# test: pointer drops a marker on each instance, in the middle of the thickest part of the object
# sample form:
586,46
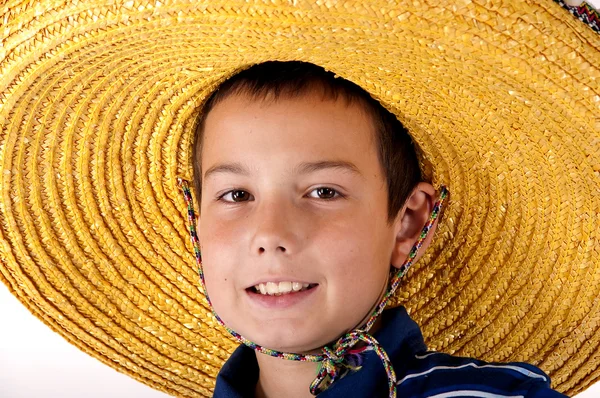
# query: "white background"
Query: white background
36,362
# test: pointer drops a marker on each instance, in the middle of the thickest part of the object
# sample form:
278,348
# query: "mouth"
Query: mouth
282,295
280,288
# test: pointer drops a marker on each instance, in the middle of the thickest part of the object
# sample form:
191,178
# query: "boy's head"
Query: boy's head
302,177
273,80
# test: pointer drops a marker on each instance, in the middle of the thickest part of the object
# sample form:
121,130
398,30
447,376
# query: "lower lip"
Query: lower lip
283,301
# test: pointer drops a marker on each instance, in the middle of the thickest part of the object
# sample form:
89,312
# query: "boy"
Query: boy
309,191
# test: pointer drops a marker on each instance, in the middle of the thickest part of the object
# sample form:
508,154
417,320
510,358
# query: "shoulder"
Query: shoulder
435,374
239,375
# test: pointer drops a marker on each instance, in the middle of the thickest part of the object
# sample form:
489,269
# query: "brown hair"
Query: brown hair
293,78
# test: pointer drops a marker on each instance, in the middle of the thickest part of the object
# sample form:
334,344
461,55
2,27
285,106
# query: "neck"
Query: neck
284,378
280,377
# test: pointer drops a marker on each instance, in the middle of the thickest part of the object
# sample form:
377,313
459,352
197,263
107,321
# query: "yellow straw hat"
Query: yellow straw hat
98,103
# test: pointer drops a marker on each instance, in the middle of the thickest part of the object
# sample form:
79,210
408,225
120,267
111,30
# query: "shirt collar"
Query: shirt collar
399,336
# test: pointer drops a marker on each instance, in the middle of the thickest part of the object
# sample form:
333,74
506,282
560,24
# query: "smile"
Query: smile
277,289
280,296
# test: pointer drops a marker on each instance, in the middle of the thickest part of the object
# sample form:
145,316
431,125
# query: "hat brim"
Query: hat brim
97,108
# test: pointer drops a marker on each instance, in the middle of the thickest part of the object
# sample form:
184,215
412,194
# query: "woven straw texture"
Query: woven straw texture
98,102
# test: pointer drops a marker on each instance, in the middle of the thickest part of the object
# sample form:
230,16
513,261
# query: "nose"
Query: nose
274,232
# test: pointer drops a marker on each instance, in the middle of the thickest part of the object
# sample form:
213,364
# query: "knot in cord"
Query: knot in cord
332,356
341,358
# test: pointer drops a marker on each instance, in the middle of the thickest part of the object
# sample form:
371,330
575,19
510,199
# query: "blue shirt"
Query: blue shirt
419,373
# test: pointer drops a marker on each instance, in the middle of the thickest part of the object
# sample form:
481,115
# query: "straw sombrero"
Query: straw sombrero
98,102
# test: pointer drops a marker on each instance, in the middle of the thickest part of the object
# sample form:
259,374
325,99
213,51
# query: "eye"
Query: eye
325,193
239,195
235,195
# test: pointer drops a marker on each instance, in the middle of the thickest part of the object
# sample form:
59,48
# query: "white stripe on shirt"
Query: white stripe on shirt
426,355
473,393
524,371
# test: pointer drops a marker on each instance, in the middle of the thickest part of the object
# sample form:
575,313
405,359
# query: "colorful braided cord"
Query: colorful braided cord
585,13
335,361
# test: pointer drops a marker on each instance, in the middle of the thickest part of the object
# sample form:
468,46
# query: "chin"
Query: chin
295,348
287,339
294,340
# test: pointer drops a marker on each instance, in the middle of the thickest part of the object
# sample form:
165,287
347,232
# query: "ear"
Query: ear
410,222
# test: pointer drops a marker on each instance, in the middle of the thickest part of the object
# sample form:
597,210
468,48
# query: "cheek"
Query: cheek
220,282
218,263
355,269
357,251
215,277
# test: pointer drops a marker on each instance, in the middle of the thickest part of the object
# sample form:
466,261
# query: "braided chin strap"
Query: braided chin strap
335,361
336,364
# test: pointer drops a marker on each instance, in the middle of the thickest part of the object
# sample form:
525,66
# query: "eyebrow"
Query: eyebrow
302,168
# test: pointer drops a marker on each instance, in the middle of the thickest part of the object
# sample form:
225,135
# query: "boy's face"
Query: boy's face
279,226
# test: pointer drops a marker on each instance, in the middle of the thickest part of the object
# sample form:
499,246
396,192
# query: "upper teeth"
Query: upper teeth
275,289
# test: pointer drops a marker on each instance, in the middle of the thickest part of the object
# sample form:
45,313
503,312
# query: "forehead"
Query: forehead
308,124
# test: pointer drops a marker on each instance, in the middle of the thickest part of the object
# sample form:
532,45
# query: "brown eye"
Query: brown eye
325,193
239,196
235,196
